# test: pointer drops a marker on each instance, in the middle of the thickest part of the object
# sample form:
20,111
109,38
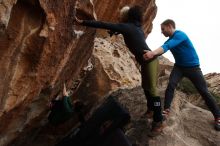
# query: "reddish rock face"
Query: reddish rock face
109,10
41,47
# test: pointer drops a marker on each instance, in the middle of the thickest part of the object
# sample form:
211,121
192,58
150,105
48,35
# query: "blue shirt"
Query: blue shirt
182,49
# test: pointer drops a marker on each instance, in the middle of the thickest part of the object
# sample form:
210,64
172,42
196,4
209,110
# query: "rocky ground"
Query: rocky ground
187,125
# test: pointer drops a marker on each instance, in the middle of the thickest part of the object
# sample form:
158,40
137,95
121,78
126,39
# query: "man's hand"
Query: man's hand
148,55
65,93
75,10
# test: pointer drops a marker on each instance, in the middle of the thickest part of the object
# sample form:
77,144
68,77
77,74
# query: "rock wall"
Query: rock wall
5,11
42,47
213,81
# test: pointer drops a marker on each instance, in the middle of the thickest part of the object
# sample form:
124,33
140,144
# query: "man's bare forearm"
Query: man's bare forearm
159,51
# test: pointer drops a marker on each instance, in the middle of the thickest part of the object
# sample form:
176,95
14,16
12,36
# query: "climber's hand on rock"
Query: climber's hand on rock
78,20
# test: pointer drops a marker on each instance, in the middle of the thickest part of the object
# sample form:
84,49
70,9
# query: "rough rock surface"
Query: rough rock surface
213,81
187,125
5,11
39,51
42,47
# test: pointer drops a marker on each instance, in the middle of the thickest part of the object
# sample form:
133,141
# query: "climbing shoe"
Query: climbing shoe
166,113
148,114
157,128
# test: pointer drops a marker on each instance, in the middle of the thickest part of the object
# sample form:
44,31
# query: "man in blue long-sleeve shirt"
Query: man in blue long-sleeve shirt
186,65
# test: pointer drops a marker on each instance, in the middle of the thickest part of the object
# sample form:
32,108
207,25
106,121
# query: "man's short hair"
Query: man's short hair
169,22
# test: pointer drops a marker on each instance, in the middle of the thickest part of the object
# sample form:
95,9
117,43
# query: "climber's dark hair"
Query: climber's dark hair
135,14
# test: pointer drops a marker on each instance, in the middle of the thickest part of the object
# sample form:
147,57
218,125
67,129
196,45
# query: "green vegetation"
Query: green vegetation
217,97
186,86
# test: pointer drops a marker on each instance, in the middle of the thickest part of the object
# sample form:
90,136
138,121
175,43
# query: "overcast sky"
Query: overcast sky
200,20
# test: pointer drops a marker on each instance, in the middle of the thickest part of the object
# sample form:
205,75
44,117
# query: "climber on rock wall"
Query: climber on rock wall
134,37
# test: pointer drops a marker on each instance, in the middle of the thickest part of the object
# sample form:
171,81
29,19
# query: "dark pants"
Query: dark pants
197,78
